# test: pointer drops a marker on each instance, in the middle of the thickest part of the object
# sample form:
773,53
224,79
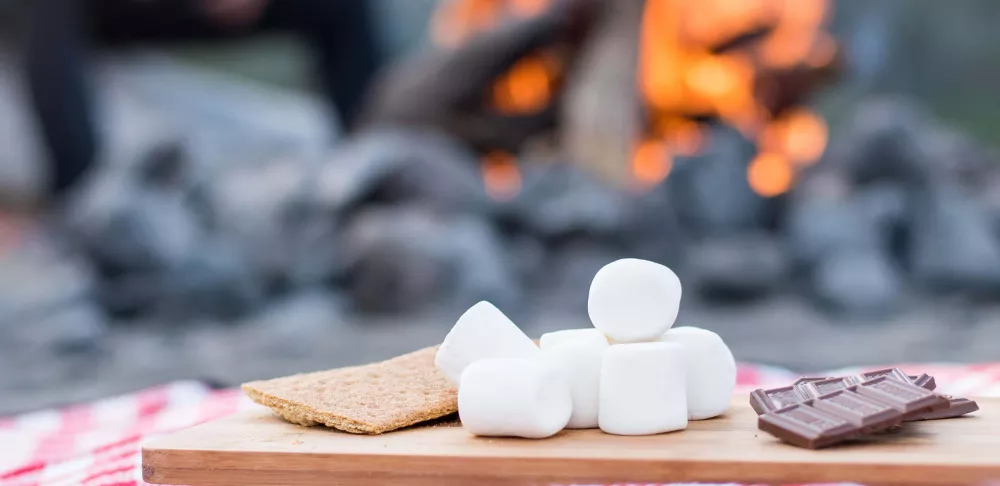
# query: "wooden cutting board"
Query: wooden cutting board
256,448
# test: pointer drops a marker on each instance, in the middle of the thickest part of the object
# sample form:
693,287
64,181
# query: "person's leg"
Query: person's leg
128,22
343,36
55,58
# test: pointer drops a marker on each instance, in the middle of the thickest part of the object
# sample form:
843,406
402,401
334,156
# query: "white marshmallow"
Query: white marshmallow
711,371
579,360
642,389
555,338
482,332
513,397
634,300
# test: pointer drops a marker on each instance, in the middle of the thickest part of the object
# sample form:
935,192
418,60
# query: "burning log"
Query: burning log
445,88
622,104
600,131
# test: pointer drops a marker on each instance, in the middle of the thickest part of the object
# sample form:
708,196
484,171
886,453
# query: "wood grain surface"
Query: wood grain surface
256,448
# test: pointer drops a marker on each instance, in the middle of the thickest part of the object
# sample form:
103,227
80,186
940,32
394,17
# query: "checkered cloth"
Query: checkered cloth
98,444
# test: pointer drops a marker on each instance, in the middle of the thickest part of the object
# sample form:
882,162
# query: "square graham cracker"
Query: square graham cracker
369,399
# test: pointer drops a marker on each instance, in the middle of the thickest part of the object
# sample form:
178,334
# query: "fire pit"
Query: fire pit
532,143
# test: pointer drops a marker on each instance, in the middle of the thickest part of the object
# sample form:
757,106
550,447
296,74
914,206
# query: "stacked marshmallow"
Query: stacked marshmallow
629,375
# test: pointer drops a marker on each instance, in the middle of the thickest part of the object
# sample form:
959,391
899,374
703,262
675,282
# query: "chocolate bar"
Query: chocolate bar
833,410
803,389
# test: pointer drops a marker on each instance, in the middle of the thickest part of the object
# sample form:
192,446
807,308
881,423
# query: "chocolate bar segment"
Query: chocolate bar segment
865,414
957,407
764,401
925,381
802,425
909,399
818,388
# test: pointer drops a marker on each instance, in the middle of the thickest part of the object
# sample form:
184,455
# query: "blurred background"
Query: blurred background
238,189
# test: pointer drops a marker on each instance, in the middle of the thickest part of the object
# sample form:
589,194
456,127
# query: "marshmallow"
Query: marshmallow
482,332
555,338
711,371
579,360
642,389
634,300
513,397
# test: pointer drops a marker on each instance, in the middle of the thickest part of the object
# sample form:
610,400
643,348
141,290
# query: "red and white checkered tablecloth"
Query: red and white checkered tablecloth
97,444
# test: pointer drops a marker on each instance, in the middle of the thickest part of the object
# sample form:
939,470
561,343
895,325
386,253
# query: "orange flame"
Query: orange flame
651,162
501,175
800,135
682,75
770,174
527,87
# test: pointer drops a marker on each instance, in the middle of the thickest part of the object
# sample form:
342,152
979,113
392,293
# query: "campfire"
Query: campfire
534,142
697,61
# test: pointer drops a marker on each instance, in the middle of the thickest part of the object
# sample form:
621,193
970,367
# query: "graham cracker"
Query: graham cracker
369,399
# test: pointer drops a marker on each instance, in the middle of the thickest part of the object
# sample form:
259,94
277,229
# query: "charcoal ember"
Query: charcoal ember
401,166
738,267
137,218
711,192
401,259
266,210
861,282
78,328
558,201
824,217
953,245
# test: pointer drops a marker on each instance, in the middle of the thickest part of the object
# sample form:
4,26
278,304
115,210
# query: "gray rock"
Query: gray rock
885,205
137,218
402,259
738,267
989,196
37,282
893,140
825,218
953,246
265,210
402,166
564,284
72,330
291,324
884,144
957,156
652,230
557,201
711,192
857,282
215,281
